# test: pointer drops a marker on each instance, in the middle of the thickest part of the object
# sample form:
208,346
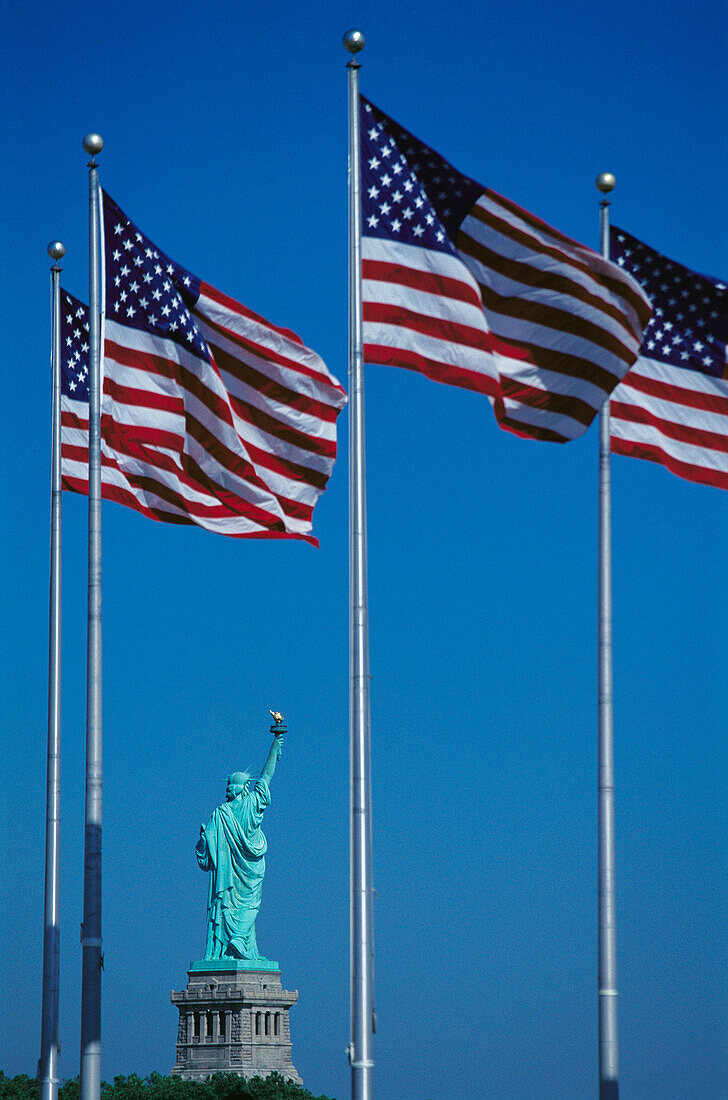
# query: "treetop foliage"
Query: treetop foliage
220,1086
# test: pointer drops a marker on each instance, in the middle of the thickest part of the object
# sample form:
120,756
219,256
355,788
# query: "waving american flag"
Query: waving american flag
210,414
673,405
468,288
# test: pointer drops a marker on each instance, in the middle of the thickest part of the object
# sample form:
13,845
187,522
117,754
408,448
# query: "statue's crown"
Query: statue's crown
239,779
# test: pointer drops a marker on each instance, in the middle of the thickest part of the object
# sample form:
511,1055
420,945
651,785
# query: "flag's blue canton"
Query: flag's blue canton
689,326
409,192
145,289
74,348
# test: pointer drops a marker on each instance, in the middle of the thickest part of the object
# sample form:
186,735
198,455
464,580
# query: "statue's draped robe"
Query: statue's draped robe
232,848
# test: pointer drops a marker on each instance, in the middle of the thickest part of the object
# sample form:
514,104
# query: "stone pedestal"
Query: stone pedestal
234,1018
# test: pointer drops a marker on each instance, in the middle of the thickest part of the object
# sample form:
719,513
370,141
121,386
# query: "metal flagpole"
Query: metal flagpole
361,943
608,1045
48,1064
91,927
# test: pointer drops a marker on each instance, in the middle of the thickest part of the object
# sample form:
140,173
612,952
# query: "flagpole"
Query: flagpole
608,1044
361,941
48,1064
91,927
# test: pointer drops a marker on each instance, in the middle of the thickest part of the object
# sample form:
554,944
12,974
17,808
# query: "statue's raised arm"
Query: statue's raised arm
276,750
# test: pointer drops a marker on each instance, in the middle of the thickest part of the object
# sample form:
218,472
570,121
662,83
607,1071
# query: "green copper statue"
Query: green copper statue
232,848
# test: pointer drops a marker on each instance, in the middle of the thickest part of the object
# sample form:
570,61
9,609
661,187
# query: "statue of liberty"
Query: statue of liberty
232,848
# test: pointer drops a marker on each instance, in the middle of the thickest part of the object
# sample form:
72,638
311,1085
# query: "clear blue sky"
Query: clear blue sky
225,130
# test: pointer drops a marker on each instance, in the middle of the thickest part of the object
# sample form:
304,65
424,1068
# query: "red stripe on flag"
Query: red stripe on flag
693,435
558,281
119,495
680,395
428,282
529,431
572,254
557,362
236,307
72,420
262,351
535,398
219,407
268,424
440,328
431,368
285,468
144,399
271,389
186,471
184,376
543,313
703,475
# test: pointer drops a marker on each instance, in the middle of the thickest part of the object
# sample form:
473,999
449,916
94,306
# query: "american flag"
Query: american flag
673,405
468,288
210,415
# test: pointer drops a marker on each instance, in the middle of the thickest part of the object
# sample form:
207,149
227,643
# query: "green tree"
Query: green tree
221,1086
18,1088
